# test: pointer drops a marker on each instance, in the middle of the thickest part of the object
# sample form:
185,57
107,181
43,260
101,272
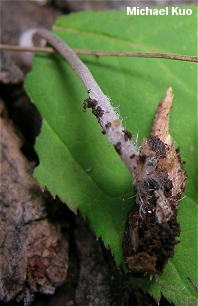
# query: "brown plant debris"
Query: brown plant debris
152,226
33,252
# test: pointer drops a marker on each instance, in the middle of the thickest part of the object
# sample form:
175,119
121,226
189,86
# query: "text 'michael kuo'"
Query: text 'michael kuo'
177,11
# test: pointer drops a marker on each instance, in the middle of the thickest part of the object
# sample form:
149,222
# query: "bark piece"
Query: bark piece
33,252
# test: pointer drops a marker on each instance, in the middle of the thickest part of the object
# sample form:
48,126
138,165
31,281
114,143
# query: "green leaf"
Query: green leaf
71,141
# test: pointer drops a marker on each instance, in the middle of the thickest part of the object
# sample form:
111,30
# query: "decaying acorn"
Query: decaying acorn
152,226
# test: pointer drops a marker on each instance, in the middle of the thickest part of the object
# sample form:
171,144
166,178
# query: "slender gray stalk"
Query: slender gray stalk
107,117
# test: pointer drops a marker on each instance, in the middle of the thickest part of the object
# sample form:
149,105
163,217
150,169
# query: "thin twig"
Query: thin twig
26,48
178,57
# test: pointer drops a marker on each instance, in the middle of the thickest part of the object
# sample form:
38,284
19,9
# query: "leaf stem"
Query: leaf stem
187,58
